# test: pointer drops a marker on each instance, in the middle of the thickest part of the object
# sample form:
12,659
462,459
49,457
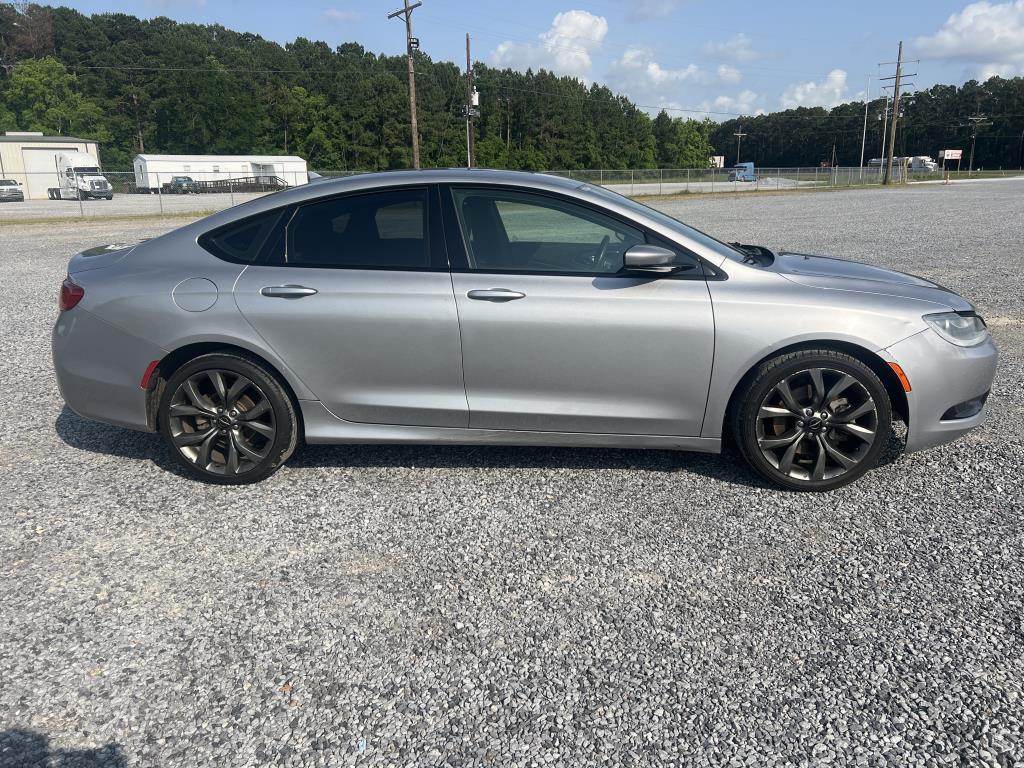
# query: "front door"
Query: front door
556,337
359,304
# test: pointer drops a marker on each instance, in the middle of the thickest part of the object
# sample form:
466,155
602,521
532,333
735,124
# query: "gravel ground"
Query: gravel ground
521,607
122,205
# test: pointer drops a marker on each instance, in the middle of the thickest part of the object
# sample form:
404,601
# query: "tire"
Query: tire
203,419
813,420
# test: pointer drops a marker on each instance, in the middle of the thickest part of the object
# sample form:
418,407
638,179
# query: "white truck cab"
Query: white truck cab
80,178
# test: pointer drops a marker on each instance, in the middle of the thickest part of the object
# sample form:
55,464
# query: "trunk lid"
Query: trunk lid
99,256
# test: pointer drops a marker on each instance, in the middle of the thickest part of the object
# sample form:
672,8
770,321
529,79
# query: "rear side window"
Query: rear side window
243,241
380,230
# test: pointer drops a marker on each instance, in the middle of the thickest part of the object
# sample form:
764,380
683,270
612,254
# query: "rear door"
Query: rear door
357,300
556,336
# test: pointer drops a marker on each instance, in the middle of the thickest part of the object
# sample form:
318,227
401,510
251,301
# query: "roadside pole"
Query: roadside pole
895,111
160,194
864,134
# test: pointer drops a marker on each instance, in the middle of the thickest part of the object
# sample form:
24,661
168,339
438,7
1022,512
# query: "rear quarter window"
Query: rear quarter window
245,241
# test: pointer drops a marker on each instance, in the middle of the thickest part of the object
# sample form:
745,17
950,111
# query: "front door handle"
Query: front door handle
495,294
287,291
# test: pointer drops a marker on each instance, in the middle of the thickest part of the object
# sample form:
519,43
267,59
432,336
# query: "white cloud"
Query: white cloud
990,35
727,73
744,103
739,47
342,16
565,48
825,93
641,61
638,74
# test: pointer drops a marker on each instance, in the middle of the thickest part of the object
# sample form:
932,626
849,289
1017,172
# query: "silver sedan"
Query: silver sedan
491,307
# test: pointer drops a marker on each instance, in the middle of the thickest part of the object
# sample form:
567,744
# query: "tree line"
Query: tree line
160,86
931,120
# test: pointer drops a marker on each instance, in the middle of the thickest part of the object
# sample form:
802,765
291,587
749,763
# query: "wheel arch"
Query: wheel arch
893,387
173,360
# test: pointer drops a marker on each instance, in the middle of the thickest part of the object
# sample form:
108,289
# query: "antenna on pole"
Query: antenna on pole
411,44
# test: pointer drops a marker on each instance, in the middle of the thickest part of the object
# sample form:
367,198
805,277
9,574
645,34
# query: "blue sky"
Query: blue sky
716,57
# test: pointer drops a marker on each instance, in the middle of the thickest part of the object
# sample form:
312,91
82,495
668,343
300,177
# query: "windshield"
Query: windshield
684,229
8,183
87,169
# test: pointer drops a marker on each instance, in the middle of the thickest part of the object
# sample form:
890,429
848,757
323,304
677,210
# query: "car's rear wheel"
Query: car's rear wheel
227,419
813,420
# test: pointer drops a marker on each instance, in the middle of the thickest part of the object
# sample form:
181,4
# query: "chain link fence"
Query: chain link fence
50,195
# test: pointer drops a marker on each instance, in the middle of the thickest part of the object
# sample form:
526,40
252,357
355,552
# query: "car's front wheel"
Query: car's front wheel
227,419
813,420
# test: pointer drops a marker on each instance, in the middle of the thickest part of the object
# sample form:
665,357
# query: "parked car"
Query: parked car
181,185
742,172
495,307
11,191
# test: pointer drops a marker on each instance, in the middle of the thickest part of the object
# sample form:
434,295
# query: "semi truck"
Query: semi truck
919,163
80,178
742,172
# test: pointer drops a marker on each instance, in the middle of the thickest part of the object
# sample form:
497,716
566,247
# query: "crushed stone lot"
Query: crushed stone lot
414,606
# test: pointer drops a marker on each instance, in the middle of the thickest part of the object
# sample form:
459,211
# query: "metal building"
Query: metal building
30,158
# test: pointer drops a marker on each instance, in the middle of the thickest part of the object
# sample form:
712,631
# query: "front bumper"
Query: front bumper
942,375
99,368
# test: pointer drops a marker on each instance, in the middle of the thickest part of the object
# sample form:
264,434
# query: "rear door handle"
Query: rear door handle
287,291
495,294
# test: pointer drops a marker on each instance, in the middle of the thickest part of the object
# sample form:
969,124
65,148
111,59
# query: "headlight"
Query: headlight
964,330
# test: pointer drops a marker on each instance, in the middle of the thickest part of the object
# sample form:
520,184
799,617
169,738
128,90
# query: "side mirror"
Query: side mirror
651,258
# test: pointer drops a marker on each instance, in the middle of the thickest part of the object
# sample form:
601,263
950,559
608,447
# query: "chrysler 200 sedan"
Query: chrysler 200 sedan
491,307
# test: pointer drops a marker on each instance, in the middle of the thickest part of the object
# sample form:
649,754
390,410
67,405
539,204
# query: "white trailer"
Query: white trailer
80,178
154,172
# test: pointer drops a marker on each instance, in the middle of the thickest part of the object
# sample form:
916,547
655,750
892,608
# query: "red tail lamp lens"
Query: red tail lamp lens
70,295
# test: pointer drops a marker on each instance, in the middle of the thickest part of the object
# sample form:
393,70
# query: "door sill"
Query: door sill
322,427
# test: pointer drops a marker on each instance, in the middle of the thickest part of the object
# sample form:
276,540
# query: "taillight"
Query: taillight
70,295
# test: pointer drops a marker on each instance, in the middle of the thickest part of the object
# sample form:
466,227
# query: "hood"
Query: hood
100,256
839,274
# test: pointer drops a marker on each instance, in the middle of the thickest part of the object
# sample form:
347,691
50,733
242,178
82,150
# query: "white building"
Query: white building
152,171
30,158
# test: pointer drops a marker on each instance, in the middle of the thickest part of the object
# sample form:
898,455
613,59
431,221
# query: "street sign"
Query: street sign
951,154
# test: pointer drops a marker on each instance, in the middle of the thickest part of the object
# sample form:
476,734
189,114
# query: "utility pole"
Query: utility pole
898,81
864,135
411,44
978,121
739,138
470,111
508,126
884,117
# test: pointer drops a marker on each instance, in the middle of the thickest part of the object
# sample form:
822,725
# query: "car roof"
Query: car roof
446,176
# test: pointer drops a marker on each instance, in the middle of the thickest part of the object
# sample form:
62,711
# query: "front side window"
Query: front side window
380,230
509,231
